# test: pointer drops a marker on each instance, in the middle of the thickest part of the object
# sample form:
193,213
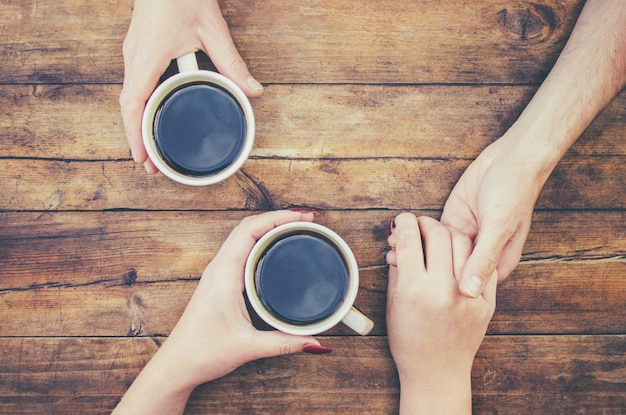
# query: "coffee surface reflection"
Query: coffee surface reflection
199,129
302,279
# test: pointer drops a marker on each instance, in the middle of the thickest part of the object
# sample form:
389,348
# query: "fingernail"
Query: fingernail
254,84
311,348
302,210
392,226
473,286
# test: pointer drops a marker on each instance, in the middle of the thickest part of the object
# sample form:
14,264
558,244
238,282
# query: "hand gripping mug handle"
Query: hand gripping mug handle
187,62
358,322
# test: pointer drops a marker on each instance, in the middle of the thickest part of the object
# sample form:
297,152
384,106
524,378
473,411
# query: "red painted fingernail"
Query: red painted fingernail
392,226
302,210
316,349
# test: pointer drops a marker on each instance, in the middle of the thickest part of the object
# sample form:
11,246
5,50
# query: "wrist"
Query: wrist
147,397
172,367
449,395
160,388
532,150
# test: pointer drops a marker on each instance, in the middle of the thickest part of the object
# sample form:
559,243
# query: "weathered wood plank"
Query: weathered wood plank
512,374
82,122
120,248
550,375
133,272
46,185
65,41
138,269
370,108
61,122
554,297
585,296
70,41
356,41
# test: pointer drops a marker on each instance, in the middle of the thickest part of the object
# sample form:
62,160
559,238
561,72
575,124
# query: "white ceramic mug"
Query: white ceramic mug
189,74
345,313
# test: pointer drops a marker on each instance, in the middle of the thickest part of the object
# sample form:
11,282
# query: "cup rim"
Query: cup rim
306,329
168,86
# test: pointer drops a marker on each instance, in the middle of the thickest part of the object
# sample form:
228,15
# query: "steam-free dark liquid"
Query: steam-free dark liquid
199,129
302,279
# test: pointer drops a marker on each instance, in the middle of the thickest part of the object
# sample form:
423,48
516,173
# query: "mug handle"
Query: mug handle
187,62
358,322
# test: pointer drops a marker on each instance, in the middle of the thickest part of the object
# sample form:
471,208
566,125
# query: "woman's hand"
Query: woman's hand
492,204
215,334
434,331
162,30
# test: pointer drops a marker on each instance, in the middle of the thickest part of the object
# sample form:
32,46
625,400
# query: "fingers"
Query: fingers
437,246
408,243
461,250
409,251
276,343
392,283
239,243
147,58
482,263
489,292
219,46
391,254
391,257
511,254
140,80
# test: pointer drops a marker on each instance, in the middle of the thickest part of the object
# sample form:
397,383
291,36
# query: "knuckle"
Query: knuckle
245,221
409,293
487,263
285,348
244,226
440,232
124,99
237,65
406,238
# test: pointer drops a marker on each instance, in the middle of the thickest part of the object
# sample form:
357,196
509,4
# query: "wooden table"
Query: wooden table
371,108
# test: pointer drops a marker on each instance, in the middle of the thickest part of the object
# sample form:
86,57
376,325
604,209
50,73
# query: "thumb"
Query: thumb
230,64
483,262
227,60
276,343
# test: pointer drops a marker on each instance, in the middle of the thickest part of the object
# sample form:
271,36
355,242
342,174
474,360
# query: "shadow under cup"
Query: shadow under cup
199,129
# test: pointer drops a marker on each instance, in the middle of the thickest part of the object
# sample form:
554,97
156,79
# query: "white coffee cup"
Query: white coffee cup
345,313
189,75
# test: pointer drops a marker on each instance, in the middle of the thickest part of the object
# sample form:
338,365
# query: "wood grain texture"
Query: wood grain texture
277,183
88,375
370,108
559,298
82,122
139,269
351,41
38,248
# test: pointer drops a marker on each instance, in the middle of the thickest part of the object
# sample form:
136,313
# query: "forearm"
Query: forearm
588,74
159,389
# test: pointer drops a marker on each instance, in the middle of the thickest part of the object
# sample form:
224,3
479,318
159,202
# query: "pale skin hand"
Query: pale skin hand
434,331
214,335
162,30
493,201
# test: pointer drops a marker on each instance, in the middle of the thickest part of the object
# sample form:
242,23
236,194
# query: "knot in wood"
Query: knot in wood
129,277
536,22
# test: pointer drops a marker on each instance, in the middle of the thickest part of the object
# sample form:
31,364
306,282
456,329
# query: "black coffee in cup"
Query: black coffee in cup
301,278
199,129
